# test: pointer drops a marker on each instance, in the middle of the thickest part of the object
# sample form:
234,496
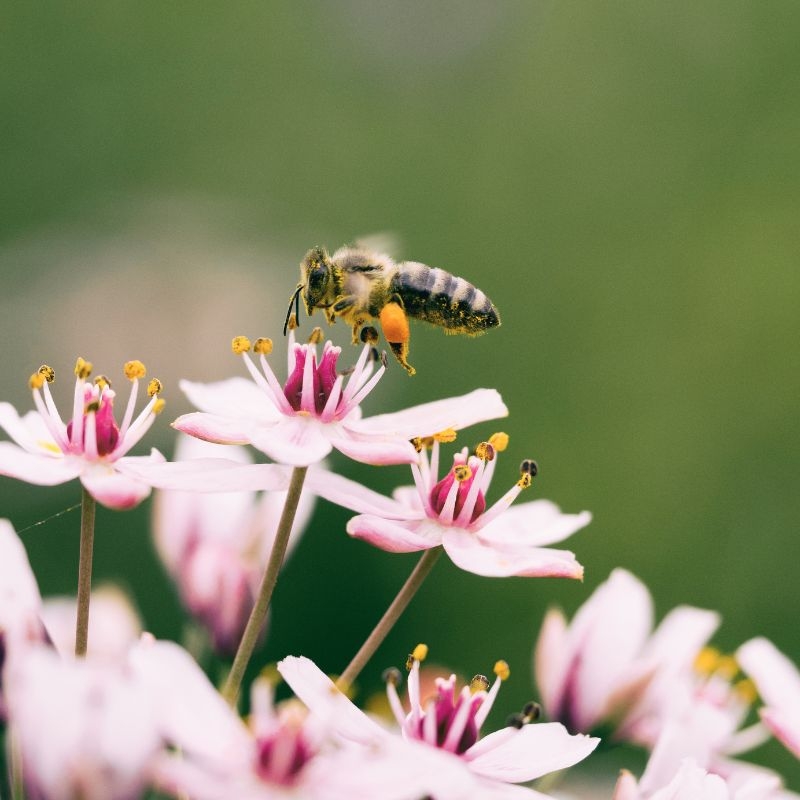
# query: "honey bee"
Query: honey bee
359,284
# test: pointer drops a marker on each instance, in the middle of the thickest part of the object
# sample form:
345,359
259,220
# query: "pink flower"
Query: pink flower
279,753
439,743
90,446
495,541
609,666
317,409
778,682
216,546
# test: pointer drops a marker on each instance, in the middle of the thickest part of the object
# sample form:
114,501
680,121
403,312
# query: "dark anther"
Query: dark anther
532,711
515,721
529,467
369,335
392,675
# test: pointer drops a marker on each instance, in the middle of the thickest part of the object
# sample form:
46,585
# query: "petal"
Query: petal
392,535
353,495
467,551
20,600
323,699
605,637
627,787
42,470
775,676
29,432
516,755
549,659
238,398
193,716
429,418
539,523
113,489
298,441
207,475
215,428
377,451
785,728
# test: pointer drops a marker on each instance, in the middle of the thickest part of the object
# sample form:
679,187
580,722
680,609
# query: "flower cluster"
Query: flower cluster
93,708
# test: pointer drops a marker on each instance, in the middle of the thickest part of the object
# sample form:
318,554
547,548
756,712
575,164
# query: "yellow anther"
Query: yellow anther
154,387
92,407
134,369
36,381
158,406
706,660
83,369
262,346
48,373
102,382
446,436
502,670
525,480
499,441
485,451
746,691
291,324
479,683
420,652
270,674
316,336
240,344
727,667
461,472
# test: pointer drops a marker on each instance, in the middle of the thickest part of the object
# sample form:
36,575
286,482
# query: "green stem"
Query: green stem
88,506
393,613
255,623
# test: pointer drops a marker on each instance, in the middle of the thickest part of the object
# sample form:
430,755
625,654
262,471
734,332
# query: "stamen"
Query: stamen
461,472
485,451
531,711
307,400
36,381
158,406
291,323
429,723
83,369
134,370
316,336
154,387
332,403
90,433
240,344
706,660
529,467
262,346
499,441
502,671
465,515
479,683
102,382
369,335
420,652
446,436
459,721
746,691
392,676
48,373
727,667
515,720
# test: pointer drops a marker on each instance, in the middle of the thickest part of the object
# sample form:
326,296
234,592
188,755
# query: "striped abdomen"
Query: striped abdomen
442,299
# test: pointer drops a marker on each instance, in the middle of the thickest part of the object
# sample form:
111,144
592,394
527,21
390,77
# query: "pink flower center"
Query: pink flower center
102,403
282,754
322,375
464,476
454,715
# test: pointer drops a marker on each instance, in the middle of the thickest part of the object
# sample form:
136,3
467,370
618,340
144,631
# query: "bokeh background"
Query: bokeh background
620,178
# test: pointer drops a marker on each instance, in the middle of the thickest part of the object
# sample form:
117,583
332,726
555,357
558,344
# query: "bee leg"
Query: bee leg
330,316
395,328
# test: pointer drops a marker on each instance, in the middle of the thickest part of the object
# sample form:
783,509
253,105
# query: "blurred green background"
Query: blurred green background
620,178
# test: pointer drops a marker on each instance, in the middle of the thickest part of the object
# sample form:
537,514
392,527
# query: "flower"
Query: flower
91,446
279,753
496,541
84,729
778,682
216,546
608,666
317,410
439,743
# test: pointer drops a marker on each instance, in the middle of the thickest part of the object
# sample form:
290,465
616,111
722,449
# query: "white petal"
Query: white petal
113,489
539,523
549,659
377,451
394,536
215,428
297,441
466,550
29,432
238,398
522,755
353,495
20,601
429,418
41,470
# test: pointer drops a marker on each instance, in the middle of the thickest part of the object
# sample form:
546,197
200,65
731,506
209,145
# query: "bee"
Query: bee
359,284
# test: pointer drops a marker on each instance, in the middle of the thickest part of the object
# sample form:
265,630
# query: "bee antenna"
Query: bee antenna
294,299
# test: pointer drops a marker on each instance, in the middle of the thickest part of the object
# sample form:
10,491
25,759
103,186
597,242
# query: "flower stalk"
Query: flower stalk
88,506
255,622
390,617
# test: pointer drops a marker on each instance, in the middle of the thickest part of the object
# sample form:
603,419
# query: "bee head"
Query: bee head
317,277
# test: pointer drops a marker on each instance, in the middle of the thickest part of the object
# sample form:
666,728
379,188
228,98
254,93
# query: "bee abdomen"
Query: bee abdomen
440,298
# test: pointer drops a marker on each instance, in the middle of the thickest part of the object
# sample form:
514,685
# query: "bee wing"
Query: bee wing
388,242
